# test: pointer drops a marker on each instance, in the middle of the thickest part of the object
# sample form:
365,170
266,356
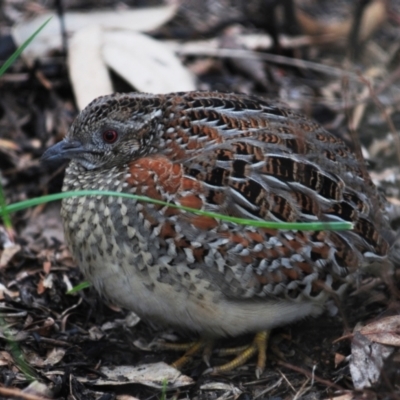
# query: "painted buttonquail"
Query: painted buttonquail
228,153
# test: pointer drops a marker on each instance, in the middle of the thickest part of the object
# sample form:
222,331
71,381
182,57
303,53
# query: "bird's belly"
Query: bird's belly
156,294
153,290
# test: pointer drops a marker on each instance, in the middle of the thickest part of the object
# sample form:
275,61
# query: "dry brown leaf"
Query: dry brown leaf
339,358
346,396
45,282
33,358
40,289
10,293
152,375
95,333
54,356
393,200
227,387
7,254
5,358
337,29
9,145
46,267
384,331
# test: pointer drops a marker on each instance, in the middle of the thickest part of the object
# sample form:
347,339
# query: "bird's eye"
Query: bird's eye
110,136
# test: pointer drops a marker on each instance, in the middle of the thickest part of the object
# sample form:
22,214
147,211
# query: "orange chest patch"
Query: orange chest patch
155,171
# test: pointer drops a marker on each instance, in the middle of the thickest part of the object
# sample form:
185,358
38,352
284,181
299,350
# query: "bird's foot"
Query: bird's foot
205,347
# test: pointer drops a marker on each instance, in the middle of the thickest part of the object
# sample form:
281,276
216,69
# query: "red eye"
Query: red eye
110,136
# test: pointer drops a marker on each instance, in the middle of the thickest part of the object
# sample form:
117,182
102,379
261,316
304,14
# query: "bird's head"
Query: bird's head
112,130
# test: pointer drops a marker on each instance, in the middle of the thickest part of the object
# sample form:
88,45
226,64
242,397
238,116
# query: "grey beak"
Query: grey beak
62,152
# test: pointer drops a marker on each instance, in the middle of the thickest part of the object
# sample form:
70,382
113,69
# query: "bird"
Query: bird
236,155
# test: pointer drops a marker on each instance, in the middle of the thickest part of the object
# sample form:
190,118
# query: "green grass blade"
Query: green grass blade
303,226
6,215
6,65
16,352
80,286
21,48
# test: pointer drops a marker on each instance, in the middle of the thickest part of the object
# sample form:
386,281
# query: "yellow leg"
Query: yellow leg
243,353
207,351
232,351
258,346
261,341
174,346
190,352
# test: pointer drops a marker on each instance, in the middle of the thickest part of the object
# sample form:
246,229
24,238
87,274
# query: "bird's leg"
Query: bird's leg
190,348
174,346
261,341
190,352
258,346
243,353
232,351
207,351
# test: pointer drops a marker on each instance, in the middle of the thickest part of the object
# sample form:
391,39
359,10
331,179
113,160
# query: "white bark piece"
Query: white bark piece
367,361
147,64
87,70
